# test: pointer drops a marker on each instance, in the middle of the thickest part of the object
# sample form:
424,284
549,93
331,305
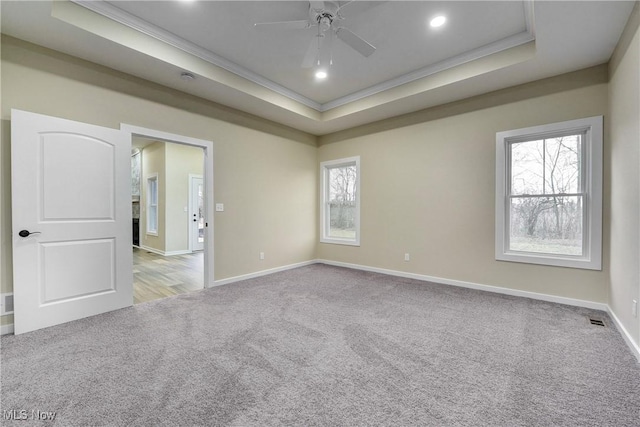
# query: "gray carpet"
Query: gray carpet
326,346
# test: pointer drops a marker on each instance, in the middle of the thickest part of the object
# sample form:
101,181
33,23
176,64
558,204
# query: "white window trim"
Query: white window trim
324,210
149,232
592,227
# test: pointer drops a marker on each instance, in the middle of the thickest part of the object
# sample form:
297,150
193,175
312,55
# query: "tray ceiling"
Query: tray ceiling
484,46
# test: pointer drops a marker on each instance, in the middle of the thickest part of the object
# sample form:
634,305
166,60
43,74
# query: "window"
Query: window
340,208
152,204
549,194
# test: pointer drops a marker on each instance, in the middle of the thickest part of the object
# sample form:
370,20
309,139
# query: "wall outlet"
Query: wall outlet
634,308
219,207
407,257
261,255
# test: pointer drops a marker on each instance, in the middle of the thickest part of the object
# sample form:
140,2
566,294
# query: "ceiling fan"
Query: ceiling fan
325,15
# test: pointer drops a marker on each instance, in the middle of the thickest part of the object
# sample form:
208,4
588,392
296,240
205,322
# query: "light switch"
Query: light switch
219,207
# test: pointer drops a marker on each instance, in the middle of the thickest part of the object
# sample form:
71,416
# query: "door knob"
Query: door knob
27,233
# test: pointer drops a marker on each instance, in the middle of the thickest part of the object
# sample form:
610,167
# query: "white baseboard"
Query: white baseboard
183,252
471,285
164,253
152,250
635,348
261,273
6,329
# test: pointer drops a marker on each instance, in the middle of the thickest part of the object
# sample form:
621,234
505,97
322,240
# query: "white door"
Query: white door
196,214
71,189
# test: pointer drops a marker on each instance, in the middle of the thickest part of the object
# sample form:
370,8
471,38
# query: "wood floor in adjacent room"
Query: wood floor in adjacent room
156,276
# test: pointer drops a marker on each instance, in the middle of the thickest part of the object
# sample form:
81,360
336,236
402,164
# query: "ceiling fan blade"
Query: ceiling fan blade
355,42
284,25
313,52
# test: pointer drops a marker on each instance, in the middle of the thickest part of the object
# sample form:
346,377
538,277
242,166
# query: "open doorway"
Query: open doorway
171,208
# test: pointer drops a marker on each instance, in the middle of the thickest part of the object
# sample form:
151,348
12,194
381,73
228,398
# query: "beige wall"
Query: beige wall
269,194
264,173
154,163
624,161
428,186
6,269
181,161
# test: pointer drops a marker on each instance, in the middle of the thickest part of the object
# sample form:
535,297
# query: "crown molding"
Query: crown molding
472,55
118,15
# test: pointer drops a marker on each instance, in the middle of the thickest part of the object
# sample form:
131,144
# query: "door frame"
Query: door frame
207,148
191,234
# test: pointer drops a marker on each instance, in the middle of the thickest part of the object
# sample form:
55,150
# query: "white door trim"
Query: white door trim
207,147
192,176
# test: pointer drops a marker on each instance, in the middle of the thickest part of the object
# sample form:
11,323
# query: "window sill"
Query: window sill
340,242
151,233
552,261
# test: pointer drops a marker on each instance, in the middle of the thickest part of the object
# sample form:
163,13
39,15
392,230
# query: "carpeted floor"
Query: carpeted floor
326,346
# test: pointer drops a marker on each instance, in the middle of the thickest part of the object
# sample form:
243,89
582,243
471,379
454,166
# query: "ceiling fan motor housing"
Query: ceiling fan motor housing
325,16
324,21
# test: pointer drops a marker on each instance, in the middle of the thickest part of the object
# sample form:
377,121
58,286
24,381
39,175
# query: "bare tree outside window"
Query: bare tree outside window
546,197
340,204
342,201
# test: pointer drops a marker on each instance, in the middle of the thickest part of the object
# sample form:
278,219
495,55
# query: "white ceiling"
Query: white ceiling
484,46
227,29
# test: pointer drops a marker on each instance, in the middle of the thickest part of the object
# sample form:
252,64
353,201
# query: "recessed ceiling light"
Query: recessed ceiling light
438,21
321,74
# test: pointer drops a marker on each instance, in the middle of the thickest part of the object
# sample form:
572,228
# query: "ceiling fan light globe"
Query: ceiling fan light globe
438,21
325,24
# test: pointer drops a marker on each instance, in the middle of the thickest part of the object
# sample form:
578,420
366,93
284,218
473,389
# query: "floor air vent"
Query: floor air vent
597,322
6,304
